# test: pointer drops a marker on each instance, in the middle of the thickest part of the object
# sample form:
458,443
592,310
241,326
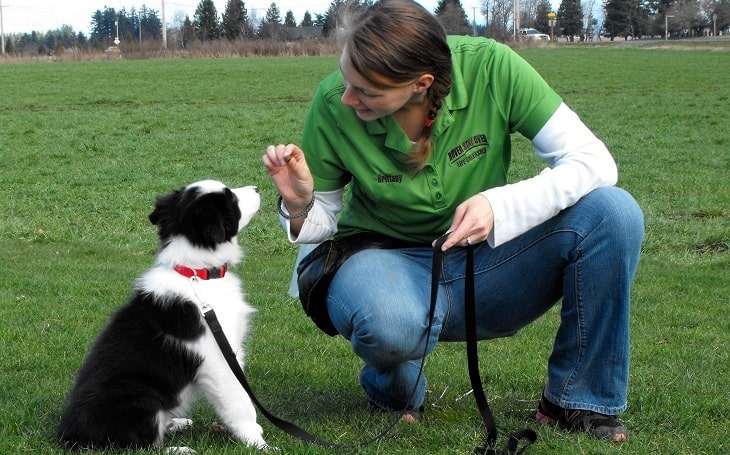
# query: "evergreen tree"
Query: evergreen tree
453,17
542,22
640,18
331,17
103,26
270,24
188,32
319,21
126,22
570,18
289,20
150,23
107,23
617,21
273,15
205,21
337,11
307,20
235,20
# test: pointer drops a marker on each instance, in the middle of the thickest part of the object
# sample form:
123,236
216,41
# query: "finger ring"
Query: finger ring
468,241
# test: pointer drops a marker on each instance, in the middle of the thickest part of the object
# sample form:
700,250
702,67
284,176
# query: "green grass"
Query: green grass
85,147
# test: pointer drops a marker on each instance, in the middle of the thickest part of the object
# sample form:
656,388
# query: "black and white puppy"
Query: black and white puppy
157,352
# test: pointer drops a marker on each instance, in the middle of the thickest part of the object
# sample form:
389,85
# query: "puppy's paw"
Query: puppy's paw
270,449
174,425
180,450
263,446
251,433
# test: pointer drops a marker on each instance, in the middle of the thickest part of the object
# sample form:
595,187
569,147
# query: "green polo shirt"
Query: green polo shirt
494,93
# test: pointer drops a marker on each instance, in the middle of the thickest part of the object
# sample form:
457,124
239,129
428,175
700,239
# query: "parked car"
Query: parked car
531,33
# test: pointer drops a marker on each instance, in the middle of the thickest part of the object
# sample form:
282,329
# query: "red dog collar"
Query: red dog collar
203,274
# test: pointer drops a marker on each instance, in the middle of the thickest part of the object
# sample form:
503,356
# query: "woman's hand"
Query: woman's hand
473,222
289,171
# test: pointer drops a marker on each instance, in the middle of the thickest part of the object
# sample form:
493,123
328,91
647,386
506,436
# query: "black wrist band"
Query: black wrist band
304,212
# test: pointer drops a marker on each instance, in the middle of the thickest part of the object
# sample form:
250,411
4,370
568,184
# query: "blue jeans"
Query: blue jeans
586,255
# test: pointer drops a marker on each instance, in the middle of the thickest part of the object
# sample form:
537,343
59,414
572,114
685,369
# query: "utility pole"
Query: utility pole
474,21
2,31
517,20
666,26
164,27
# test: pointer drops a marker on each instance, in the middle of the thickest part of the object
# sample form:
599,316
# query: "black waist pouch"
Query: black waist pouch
316,270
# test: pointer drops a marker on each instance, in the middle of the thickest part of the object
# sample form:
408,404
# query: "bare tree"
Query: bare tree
499,13
687,19
528,13
591,20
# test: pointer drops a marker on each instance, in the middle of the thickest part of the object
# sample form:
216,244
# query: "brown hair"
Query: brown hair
392,43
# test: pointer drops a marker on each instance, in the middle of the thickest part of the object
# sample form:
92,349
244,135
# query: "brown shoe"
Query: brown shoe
598,425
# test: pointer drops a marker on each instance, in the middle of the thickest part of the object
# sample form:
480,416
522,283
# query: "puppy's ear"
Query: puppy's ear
212,219
164,205
154,217
214,231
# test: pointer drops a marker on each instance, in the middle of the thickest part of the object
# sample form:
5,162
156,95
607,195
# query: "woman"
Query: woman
417,125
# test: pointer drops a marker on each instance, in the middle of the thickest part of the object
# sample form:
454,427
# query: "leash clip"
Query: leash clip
202,304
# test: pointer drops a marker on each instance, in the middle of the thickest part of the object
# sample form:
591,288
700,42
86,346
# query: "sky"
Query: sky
20,16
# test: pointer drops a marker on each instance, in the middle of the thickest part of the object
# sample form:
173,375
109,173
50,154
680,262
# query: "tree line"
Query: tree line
613,18
575,18
678,18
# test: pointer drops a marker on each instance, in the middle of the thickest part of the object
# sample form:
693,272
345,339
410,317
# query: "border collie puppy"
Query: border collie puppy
157,351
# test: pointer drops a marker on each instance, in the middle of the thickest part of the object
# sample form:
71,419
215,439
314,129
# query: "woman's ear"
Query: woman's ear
424,82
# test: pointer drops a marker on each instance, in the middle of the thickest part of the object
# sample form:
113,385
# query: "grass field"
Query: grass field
85,148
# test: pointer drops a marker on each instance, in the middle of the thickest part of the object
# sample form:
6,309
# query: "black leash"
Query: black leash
489,448
472,361
230,357
284,425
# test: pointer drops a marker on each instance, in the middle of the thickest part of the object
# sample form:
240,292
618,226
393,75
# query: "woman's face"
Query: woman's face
371,102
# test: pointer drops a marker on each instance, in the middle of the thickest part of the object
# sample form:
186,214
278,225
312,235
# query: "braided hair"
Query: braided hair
394,42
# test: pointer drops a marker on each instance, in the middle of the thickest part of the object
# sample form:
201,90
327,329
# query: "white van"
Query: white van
531,33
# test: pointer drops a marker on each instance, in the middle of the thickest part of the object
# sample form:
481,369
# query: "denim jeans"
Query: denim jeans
586,256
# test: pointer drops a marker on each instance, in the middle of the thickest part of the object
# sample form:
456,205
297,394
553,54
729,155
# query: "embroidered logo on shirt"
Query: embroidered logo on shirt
465,153
390,178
